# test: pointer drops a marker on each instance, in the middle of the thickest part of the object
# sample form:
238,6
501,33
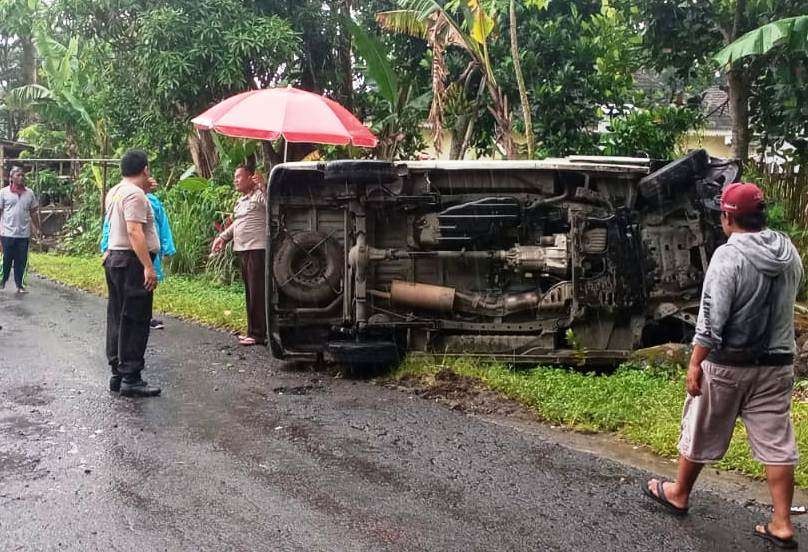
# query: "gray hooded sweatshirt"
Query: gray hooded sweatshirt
750,287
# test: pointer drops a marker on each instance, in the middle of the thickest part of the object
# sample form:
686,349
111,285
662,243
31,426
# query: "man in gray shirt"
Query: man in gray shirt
742,361
18,215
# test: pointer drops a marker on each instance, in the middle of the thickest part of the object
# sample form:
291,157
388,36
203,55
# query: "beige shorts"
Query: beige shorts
760,395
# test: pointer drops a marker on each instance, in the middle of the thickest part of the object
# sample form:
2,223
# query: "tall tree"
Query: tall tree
171,60
685,35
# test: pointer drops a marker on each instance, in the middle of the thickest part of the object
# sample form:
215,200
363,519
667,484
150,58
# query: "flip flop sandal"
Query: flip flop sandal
249,342
662,499
787,544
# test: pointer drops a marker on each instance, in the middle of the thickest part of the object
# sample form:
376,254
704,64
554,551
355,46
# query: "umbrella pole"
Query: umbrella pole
285,149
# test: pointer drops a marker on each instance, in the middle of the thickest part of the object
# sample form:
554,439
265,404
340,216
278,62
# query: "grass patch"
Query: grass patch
641,405
191,298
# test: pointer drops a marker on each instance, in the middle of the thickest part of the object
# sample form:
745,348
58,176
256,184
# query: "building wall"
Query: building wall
716,145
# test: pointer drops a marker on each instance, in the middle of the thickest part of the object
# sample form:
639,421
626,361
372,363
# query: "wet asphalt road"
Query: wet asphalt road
243,453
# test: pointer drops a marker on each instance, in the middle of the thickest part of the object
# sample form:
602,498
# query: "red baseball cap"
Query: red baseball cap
741,198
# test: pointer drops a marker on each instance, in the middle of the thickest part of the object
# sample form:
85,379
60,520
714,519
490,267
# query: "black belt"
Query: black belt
749,357
129,253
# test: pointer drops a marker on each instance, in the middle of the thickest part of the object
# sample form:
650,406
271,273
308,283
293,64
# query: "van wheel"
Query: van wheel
308,268
366,357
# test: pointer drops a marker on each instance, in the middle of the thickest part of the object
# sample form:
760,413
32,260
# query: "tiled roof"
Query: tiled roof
713,100
715,104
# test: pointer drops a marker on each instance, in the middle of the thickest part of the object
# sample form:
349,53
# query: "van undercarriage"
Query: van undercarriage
575,260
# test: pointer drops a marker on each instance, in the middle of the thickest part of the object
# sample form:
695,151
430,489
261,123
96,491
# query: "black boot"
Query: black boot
115,383
138,388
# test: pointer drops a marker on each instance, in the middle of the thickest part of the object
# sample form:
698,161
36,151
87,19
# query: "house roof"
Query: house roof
715,105
714,101
12,149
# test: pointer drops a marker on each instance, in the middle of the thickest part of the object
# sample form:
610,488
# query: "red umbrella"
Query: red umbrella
295,115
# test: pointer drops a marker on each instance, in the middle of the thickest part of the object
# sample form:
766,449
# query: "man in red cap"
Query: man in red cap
742,361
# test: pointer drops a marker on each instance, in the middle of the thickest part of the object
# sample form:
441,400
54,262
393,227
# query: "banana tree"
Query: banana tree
401,104
429,20
60,100
791,32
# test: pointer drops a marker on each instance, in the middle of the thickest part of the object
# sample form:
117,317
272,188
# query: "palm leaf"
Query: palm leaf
434,14
25,97
378,66
53,55
792,31
406,22
79,108
482,24
424,8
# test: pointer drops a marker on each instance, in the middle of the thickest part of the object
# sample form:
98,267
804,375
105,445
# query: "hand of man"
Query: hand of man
693,380
217,246
152,183
149,278
259,180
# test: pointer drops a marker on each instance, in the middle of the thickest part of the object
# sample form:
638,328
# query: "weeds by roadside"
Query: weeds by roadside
191,298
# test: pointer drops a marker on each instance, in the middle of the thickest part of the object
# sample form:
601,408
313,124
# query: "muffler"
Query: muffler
445,299
422,296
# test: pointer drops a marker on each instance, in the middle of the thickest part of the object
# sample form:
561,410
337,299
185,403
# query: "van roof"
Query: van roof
596,164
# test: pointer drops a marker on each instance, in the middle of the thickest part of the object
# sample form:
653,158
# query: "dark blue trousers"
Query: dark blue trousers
15,255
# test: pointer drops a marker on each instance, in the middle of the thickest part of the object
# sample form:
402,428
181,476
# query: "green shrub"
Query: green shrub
51,188
655,133
82,232
197,209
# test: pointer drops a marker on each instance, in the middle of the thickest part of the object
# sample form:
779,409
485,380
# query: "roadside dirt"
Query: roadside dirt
463,394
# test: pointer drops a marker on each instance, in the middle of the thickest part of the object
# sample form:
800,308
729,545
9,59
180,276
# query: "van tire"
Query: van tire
311,284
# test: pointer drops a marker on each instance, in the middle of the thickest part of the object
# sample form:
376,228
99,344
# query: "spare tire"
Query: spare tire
308,268
361,172
666,182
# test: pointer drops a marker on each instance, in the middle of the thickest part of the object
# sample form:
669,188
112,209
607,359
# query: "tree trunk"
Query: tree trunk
739,92
520,81
458,136
344,57
28,60
203,152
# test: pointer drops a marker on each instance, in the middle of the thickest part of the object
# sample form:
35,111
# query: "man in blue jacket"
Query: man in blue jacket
167,246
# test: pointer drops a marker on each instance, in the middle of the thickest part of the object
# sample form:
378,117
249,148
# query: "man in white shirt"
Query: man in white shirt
18,215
